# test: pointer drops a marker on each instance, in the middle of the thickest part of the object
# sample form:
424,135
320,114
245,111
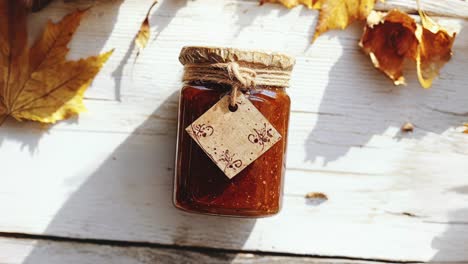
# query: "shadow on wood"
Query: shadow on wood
352,112
457,220
455,233
246,17
139,184
157,26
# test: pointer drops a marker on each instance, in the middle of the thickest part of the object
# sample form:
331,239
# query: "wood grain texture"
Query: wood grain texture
450,8
28,251
108,174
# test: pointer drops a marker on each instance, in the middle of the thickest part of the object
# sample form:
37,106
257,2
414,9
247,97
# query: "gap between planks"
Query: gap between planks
216,255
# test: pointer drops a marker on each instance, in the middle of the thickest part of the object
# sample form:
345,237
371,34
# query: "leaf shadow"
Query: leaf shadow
247,16
352,112
27,134
291,26
135,184
158,23
159,19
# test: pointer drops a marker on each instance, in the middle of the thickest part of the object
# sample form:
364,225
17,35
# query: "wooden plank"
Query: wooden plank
128,197
450,8
26,251
108,174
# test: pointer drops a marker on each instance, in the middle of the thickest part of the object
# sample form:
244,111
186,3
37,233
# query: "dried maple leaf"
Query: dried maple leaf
338,14
388,40
334,14
38,83
143,35
434,50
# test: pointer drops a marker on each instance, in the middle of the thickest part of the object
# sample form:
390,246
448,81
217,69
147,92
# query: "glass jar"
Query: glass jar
200,185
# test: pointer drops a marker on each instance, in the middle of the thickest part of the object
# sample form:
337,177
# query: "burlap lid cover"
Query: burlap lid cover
245,58
240,68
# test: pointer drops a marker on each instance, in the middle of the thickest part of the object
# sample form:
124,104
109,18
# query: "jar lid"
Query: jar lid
200,54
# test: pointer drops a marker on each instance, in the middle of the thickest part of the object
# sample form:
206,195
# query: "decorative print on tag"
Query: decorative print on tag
261,136
233,139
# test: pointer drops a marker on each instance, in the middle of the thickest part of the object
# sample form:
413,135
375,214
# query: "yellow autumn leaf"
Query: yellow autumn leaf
38,83
292,3
143,35
434,50
338,14
334,14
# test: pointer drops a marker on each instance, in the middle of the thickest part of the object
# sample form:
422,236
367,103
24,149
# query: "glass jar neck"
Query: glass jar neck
221,86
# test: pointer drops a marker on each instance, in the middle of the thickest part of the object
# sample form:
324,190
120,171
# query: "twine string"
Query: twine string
239,78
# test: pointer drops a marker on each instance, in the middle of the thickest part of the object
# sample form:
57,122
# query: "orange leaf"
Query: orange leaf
435,49
38,83
388,40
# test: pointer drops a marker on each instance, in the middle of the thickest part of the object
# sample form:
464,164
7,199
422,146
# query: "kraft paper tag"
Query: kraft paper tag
233,140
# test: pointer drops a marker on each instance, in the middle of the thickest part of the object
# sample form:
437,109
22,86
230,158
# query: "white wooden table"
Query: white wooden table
97,189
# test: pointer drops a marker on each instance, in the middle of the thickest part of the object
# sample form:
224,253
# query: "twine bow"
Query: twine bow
240,78
245,76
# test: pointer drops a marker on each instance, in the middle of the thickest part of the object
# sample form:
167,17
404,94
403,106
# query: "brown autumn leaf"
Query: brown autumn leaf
407,127
334,14
389,39
143,35
434,50
316,195
38,83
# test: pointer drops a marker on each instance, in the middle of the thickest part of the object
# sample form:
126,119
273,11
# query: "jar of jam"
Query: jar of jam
216,81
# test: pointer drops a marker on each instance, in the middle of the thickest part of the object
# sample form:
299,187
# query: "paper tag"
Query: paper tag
233,140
